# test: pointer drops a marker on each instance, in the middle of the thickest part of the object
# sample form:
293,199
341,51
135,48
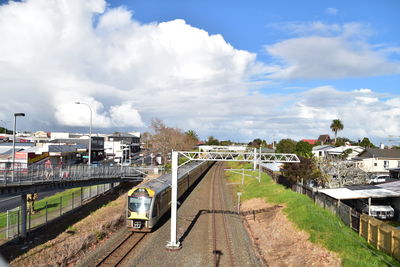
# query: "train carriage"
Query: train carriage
149,201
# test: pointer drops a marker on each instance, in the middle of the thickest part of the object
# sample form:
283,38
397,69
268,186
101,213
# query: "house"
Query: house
321,151
379,161
324,139
310,141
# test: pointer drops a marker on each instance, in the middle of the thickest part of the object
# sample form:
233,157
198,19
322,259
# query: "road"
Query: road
9,203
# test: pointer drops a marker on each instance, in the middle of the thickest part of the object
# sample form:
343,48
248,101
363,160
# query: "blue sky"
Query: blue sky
236,70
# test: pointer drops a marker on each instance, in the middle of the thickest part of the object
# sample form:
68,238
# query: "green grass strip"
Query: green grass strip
325,228
53,204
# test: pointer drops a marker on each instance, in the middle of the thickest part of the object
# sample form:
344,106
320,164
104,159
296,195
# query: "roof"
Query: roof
66,148
272,166
341,149
122,135
310,141
324,137
391,189
380,153
322,147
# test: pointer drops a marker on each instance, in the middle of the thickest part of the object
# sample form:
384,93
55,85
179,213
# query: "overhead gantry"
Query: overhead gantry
238,156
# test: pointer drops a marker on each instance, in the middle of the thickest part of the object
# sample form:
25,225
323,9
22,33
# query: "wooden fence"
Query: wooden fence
381,235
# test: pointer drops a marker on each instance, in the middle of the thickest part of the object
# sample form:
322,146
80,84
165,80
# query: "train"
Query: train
149,201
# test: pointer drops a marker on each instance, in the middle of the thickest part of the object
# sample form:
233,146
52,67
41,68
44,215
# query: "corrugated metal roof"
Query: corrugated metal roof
380,153
391,189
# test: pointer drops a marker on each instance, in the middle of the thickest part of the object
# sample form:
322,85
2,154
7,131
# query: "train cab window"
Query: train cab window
139,204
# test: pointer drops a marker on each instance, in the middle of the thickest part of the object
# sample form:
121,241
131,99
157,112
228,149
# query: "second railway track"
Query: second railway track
221,238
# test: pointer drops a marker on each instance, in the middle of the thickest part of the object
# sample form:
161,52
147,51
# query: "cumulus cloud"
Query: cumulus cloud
330,51
363,112
55,53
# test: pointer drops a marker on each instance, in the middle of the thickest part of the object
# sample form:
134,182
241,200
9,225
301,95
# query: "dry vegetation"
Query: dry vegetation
279,242
78,239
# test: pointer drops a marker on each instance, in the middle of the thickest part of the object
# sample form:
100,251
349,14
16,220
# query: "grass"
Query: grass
325,228
53,204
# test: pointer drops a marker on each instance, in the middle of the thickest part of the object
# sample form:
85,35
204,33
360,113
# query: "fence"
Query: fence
382,236
10,221
41,173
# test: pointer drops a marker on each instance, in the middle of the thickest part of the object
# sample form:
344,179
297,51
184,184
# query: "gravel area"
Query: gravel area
194,234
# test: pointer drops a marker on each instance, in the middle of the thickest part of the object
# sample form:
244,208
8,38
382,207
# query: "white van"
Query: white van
383,212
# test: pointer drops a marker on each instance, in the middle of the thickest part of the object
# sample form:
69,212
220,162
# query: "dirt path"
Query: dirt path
279,242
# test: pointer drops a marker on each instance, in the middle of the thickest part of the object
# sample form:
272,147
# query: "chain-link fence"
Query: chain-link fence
46,211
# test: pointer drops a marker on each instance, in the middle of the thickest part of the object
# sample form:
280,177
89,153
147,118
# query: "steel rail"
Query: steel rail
119,259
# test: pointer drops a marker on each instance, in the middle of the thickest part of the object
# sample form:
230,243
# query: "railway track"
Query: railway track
221,239
120,252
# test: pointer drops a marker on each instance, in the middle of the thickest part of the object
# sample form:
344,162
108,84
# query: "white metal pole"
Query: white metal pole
259,166
13,151
90,138
173,244
255,159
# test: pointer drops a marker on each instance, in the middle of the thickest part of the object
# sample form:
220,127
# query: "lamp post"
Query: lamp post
13,151
90,131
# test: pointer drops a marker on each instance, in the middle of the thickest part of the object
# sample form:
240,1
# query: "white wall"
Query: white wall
369,164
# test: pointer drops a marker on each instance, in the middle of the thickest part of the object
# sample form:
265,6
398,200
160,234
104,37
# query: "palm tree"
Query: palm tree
192,134
336,126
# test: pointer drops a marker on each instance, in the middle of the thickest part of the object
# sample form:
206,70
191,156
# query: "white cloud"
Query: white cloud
330,51
332,11
55,53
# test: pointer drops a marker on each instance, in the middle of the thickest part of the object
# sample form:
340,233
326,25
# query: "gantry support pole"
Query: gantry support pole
255,159
172,244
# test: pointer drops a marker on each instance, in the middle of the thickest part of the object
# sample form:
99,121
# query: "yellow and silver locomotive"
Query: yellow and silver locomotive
149,201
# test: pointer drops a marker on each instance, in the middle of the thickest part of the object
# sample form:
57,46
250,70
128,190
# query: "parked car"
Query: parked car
383,212
378,179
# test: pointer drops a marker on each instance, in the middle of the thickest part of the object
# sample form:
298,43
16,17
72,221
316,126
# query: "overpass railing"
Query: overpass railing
42,173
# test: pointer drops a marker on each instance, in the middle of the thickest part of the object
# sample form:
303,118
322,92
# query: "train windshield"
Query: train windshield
139,204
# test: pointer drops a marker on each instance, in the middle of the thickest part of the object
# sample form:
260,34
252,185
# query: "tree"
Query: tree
341,173
366,143
336,126
303,171
341,141
303,149
192,134
212,141
257,143
225,142
164,139
286,146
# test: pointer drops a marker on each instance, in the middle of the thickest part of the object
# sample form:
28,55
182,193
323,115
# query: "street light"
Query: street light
90,130
13,152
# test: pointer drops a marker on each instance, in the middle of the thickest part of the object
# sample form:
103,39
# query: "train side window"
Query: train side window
156,208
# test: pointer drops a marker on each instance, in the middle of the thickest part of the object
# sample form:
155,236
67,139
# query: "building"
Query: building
379,161
324,139
321,151
347,150
97,146
121,146
310,141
